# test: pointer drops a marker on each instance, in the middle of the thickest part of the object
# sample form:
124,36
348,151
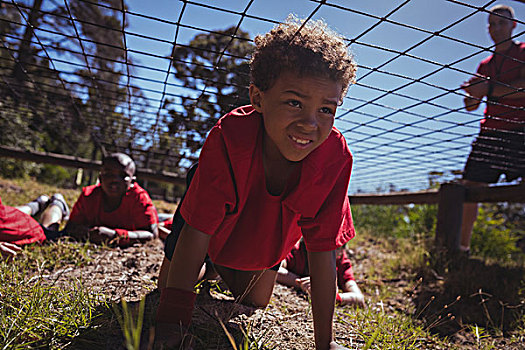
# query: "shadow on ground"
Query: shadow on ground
210,312
471,293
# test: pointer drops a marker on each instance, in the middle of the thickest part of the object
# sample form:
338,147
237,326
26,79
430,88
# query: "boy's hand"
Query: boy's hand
77,231
172,336
305,284
8,250
350,298
99,234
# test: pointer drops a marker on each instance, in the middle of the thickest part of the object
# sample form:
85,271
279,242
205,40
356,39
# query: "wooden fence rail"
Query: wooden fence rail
77,162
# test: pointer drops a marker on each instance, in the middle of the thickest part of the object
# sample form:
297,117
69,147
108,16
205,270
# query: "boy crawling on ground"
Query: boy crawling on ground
115,210
268,174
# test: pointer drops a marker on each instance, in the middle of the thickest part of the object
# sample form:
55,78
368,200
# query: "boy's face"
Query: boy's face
114,180
298,113
500,29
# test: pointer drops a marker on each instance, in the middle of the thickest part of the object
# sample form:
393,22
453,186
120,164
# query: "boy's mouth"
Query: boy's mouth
114,186
300,141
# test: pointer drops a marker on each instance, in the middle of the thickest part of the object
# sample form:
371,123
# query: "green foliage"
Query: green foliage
396,220
494,236
54,174
215,63
35,106
497,231
36,313
131,329
12,168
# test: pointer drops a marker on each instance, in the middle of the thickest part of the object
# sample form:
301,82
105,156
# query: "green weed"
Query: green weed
35,312
131,327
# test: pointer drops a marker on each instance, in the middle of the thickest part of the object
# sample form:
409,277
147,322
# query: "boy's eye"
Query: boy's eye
122,177
294,103
327,111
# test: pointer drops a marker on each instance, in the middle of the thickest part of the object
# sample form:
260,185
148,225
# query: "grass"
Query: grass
411,303
35,312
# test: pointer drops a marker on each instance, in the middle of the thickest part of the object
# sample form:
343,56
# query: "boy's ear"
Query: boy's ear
255,97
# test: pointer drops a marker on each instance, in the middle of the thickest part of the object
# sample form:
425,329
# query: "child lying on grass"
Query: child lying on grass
18,226
115,210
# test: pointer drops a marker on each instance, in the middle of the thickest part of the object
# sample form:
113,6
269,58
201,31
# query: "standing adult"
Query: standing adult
500,146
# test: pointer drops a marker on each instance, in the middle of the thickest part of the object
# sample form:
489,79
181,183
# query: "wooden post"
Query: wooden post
450,213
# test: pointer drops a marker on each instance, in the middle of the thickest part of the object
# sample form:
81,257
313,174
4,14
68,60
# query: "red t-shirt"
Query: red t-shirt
19,228
136,211
297,262
251,229
504,69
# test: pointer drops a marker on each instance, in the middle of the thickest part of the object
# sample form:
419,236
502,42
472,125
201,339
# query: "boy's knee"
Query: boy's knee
258,301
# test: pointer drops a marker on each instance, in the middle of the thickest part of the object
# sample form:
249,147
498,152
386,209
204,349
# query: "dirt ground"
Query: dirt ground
449,301
286,323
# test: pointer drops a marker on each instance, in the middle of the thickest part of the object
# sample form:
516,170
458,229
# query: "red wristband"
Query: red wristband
123,236
176,306
338,299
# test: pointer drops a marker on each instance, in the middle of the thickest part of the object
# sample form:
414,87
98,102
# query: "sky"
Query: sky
402,120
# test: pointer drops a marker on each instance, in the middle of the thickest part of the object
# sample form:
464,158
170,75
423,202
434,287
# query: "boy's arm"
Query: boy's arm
187,259
183,274
323,279
125,237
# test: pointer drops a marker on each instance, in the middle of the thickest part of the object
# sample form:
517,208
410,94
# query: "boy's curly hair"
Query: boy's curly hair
314,50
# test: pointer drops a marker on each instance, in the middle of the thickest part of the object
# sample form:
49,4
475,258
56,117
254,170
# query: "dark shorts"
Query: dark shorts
178,224
178,220
495,153
52,235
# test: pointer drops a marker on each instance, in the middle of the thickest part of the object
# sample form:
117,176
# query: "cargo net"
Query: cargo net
86,78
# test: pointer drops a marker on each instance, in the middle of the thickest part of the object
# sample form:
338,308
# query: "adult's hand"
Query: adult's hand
476,87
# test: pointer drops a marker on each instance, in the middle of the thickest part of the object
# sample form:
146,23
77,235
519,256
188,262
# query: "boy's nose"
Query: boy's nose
308,121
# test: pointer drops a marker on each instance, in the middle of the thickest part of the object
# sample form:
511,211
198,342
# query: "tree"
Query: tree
66,108
215,66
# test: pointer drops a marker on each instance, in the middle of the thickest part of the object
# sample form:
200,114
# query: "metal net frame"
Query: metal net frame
403,127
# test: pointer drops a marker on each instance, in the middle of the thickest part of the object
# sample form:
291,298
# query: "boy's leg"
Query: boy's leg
52,217
253,288
56,212
35,207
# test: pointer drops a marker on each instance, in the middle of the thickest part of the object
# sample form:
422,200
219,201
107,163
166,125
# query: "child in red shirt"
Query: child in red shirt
115,210
294,272
18,227
269,174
